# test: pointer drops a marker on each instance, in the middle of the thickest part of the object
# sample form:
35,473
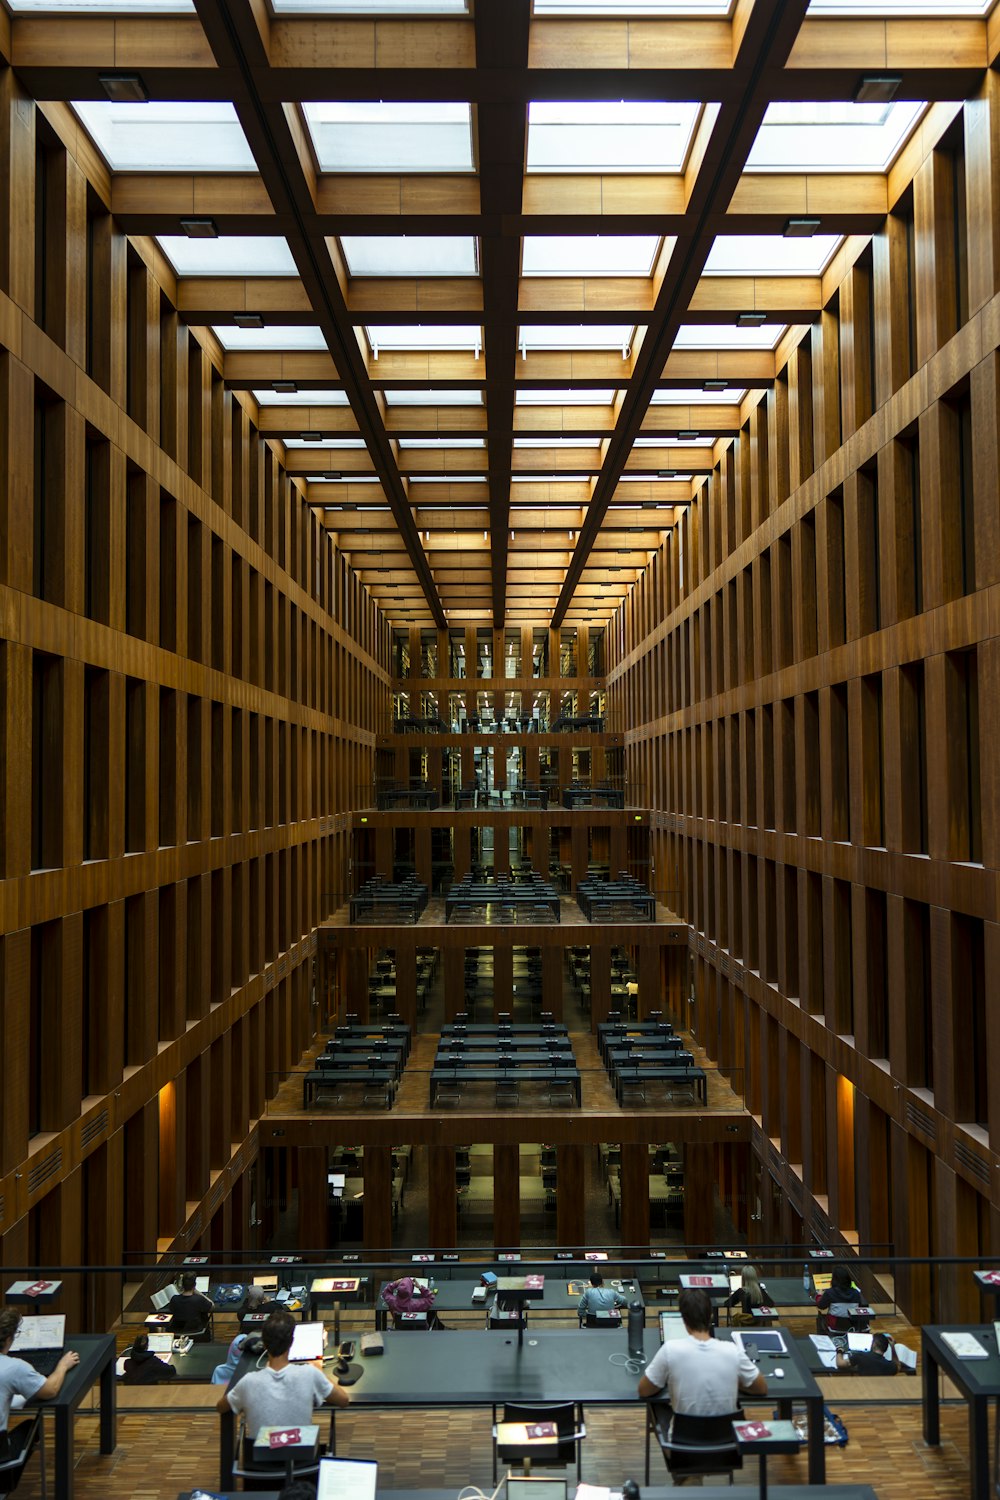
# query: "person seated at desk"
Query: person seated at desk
703,1375
281,1394
189,1308
18,1378
880,1359
748,1295
141,1367
599,1298
409,1296
841,1289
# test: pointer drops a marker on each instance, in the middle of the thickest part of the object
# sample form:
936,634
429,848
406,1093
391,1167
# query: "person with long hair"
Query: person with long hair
750,1293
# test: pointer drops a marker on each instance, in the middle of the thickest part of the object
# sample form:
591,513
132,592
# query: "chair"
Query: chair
507,1092
693,1446
609,1319
16,1447
270,1476
568,1417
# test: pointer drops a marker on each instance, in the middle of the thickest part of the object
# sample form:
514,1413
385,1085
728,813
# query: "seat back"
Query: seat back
695,1445
564,1414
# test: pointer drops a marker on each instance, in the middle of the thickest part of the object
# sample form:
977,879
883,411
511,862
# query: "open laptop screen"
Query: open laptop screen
347,1479
307,1342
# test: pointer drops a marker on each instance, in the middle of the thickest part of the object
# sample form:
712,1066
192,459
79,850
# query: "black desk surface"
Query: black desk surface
975,1377
95,1351
480,1368
708,1492
456,1296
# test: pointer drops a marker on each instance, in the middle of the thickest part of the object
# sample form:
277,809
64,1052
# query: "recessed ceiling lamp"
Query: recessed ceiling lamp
715,385
687,436
248,320
124,88
200,229
751,320
286,387
311,437
877,88
801,229
666,473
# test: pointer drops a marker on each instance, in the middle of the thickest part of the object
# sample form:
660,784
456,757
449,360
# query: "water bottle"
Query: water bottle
636,1324
806,1278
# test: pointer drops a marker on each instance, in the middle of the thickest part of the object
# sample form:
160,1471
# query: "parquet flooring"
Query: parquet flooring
160,1454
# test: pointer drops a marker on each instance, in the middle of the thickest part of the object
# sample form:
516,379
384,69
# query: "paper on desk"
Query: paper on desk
592,1492
907,1357
826,1349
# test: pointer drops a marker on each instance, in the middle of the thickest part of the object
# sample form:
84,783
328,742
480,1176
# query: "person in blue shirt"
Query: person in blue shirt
18,1378
599,1298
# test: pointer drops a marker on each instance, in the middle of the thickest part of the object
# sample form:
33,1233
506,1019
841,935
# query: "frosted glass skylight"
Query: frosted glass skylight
301,398
589,254
432,397
698,397
381,137
609,137
167,137
832,137
557,442
770,255
871,8
440,442
674,442
326,442
575,335
105,7
728,336
624,8
411,255
272,336
425,336
229,255
573,397
371,7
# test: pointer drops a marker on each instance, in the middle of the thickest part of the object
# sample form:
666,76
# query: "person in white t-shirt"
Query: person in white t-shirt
703,1375
281,1394
18,1378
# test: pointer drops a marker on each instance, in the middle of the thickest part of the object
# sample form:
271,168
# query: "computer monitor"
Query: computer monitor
336,1181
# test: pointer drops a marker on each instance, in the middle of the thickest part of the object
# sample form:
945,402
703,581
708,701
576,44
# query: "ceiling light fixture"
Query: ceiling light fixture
311,437
687,436
877,88
124,88
333,474
286,387
715,385
666,473
248,320
751,320
200,229
801,229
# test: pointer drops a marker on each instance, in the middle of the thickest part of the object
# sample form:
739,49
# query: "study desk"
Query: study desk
979,1382
97,1363
497,1057
384,1079
531,1191
637,1074
650,1492
456,1296
660,1192
494,1028
554,1074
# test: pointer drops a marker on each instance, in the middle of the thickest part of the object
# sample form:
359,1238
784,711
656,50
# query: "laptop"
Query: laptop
672,1327
307,1342
347,1479
161,1343
39,1341
766,1340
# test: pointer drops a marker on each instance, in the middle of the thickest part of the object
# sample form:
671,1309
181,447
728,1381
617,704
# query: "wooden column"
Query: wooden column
453,961
571,1203
503,979
635,1197
356,998
600,983
552,981
311,1169
501,849
383,851
462,850
579,848
406,983
699,1199
648,975
442,1224
378,1198
422,851
506,1196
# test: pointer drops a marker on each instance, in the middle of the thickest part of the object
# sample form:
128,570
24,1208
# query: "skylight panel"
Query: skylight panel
589,255
441,442
272,336
371,7
301,398
411,255
446,479
771,255
638,8
609,137
325,442
390,137
425,336
433,397
574,397
728,336
868,9
557,442
105,7
673,441
832,137
167,137
229,255
699,397
575,336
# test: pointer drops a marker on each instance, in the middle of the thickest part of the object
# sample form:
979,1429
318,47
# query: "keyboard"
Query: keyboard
42,1360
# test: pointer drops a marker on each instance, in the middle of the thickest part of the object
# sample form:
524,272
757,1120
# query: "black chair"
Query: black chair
693,1446
609,1319
260,1476
16,1447
570,1429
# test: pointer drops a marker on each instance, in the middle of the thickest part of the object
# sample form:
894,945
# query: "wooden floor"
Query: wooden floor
160,1454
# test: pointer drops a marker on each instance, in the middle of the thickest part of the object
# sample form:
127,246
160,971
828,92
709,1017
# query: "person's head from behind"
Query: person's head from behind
297,1489
10,1322
840,1278
278,1332
695,1308
140,1344
596,1279
189,1281
881,1343
751,1283
254,1297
